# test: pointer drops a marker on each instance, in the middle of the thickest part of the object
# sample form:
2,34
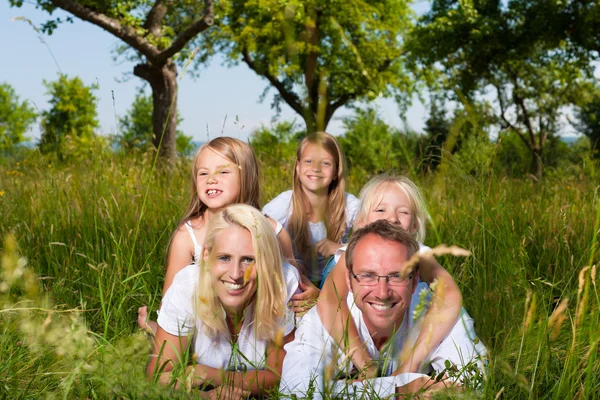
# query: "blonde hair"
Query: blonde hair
270,297
336,201
372,194
240,154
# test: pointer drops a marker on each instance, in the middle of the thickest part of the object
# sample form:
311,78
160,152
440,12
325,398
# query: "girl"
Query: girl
224,172
398,200
234,306
317,213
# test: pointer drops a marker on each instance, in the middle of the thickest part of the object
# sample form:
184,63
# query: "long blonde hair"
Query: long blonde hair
240,154
270,296
373,191
336,199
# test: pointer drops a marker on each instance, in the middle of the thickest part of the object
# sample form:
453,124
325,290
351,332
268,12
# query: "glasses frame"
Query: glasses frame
404,282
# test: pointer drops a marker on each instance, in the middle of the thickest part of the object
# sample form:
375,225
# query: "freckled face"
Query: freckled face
217,180
315,168
231,260
394,207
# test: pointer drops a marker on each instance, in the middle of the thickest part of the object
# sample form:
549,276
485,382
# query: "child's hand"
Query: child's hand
226,393
327,247
302,302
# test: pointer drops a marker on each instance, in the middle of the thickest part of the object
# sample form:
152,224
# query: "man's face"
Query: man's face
383,304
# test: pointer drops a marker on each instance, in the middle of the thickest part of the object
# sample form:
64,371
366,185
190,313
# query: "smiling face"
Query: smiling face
315,169
394,206
383,305
217,180
231,262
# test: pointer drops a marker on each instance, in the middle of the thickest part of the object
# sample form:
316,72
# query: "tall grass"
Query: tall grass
95,234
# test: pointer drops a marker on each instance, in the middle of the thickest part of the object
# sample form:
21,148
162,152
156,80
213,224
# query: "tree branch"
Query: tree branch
505,119
188,34
290,98
125,33
155,16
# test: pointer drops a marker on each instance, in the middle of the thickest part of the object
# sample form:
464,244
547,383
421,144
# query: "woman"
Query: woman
233,305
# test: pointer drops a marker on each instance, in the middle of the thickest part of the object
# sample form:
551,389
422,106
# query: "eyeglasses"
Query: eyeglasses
369,279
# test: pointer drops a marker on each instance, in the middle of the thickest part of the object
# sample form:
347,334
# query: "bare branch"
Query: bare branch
188,34
506,120
289,97
125,33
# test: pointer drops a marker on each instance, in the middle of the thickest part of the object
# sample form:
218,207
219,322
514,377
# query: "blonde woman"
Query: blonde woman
233,305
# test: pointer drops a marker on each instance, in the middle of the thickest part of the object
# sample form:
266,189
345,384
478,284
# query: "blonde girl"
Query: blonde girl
398,200
317,212
224,172
232,304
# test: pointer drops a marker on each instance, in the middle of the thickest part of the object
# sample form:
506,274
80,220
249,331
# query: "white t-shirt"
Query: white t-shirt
177,317
280,209
313,350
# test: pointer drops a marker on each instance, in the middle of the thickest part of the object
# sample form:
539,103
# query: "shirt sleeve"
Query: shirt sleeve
304,355
279,208
177,310
461,347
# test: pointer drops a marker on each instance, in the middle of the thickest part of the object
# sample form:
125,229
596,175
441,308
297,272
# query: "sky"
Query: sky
220,101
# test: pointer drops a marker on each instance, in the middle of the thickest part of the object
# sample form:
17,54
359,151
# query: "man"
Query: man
380,294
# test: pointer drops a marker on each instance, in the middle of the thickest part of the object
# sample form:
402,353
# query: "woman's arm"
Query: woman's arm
257,382
181,254
335,314
441,317
166,353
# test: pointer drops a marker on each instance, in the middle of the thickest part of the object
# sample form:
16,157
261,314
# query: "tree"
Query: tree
369,142
15,118
319,56
72,113
158,31
588,121
136,128
487,47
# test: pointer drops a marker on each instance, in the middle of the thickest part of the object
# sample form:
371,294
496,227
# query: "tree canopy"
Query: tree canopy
15,118
160,32
319,56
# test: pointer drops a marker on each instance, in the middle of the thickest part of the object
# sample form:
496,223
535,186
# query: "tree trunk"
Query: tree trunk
163,81
312,123
538,164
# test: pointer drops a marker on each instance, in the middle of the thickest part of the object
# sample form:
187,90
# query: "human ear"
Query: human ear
348,283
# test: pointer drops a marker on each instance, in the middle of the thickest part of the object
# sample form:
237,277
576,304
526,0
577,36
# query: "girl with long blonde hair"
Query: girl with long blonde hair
234,306
317,212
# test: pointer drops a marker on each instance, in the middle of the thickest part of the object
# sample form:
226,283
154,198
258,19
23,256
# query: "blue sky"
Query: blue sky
212,102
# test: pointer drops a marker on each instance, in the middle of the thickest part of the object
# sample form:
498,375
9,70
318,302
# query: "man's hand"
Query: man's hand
302,302
327,247
226,393
422,388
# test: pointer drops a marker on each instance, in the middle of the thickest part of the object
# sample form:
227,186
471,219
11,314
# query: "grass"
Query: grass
94,235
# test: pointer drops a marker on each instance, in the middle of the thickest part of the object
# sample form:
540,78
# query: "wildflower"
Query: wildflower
1,193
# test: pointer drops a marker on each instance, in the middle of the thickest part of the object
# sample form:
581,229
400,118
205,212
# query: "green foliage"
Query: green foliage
72,114
15,118
96,233
136,132
483,47
369,143
588,121
319,56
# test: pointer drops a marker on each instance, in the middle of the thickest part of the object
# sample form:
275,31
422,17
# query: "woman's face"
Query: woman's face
232,269
393,206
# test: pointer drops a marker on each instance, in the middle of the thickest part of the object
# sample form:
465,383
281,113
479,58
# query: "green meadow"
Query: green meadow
84,246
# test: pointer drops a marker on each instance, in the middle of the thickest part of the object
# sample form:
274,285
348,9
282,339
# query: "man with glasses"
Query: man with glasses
381,284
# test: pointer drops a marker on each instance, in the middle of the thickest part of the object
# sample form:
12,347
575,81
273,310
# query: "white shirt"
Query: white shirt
313,350
280,209
177,317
